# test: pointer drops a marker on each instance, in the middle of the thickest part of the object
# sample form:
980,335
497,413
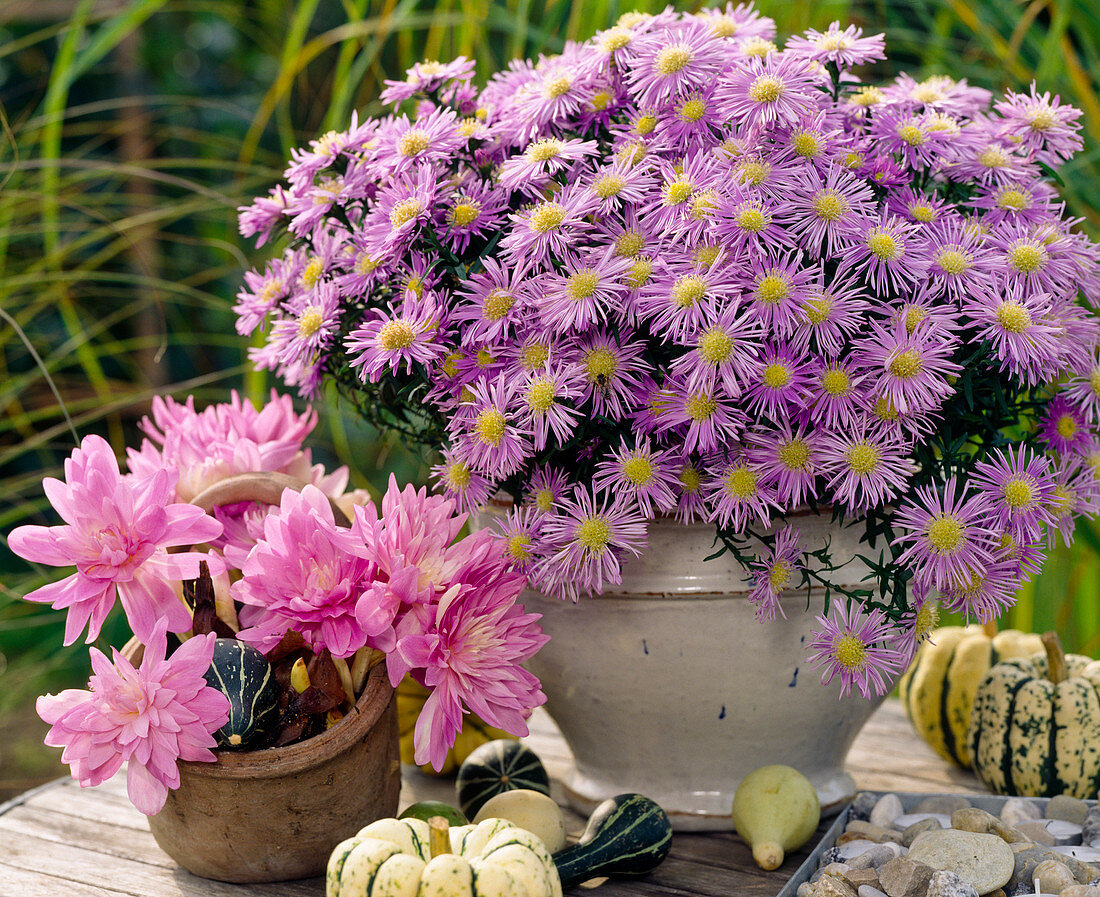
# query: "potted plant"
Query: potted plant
273,613
677,273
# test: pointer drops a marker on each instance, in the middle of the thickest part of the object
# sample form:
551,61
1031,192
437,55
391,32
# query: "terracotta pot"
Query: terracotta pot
276,814
668,685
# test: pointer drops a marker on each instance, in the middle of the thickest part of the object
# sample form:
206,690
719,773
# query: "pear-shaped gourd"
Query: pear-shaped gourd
775,809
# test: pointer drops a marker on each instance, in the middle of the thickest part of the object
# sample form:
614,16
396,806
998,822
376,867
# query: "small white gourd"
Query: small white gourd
775,809
530,810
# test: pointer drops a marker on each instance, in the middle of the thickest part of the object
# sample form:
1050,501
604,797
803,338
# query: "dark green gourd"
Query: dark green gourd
627,836
243,675
495,767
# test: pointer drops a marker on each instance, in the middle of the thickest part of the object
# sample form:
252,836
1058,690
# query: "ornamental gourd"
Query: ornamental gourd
413,858
497,766
475,732
243,674
938,688
1035,727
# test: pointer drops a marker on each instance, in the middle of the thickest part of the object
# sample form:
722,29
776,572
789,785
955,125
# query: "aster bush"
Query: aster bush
321,579
677,270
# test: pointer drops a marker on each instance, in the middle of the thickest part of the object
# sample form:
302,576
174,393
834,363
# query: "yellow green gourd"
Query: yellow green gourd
775,809
1035,726
938,688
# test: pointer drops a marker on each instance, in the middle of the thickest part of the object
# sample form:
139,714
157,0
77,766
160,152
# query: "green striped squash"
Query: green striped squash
243,675
497,766
627,836
1035,726
938,688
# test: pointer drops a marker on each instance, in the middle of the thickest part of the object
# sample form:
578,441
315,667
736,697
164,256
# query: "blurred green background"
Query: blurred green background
132,131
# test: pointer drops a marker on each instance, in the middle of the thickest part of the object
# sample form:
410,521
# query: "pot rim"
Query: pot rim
293,758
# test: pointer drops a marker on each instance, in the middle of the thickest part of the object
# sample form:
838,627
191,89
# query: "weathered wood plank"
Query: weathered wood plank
33,884
61,828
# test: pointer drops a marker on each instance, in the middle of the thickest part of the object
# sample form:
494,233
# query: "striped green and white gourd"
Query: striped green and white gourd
627,836
396,858
243,674
1035,727
495,767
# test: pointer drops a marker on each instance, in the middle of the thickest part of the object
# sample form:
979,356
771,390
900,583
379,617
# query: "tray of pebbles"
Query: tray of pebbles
946,845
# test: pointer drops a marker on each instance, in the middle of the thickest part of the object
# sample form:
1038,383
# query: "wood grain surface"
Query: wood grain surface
64,841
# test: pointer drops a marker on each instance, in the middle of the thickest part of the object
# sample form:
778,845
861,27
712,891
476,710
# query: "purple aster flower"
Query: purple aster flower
946,536
545,490
471,212
779,88
402,144
620,184
262,293
725,349
467,488
843,49
704,419
589,535
546,393
530,171
788,459
939,92
404,205
986,592
640,472
865,466
427,78
613,369
676,202
838,391
494,301
587,291
737,24
307,327
830,315
390,339
1022,201
672,61
492,430
1065,427
1019,489
783,384
260,219
978,154
738,493
521,533
774,571
1083,389
888,255
678,298
689,124
548,227
1076,491
745,221
690,506
858,647
1020,326
961,263
1040,125
778,287
323,152
919,207
1025,254
830,210
909,368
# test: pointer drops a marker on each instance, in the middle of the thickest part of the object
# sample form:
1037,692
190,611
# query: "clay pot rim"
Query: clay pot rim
270,763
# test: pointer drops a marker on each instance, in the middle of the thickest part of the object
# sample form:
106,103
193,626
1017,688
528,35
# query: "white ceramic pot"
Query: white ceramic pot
667,684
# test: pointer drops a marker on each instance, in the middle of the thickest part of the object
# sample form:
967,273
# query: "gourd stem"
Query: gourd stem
439,836
990,628
1056,657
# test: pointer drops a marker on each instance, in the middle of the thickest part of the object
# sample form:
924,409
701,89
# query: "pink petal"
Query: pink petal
146,792
38,544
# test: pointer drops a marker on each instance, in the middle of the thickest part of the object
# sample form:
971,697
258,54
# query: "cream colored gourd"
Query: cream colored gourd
775,809
413,858
532,811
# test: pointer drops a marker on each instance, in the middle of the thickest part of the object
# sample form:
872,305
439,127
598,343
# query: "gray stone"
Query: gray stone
984,860
905,877
833,886
1071,809
845,853
868,891
1028,856
1079,852
948,884
1080,891
1036,830
886,811
857,878
1091,826
805,890
862,805
1019,809
871,832
876,856
1064,832
1050,876
927,824
971,819
941,803
906,820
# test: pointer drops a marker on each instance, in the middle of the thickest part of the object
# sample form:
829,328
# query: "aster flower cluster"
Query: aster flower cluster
322,574
677,270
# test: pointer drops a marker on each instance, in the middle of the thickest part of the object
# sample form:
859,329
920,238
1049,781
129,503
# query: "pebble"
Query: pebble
868,891
947,884
984,860
1019,809
1080,891
857,878
1091,826
862,805
1036,830
886,811
877,856
1051,876
832,886
850,850
942,803
805,890
928,824
971,819
907,819
872,832
1064,832
1079,852
1071,809
905,877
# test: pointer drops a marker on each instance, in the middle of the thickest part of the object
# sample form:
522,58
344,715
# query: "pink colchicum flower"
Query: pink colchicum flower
117,531
148,718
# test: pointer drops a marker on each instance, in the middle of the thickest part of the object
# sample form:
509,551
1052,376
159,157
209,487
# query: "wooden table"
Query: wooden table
64,841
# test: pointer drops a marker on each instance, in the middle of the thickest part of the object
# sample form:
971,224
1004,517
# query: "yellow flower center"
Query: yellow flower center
1094,381
753,172
594,533
692,110
773,289
1066,426
458,476
462,214
1012,200
740,482
923,214
817,309
677,192
485,358
639,470
609,185
364,264
850,652
600,100
312,272
558,87
645,124
582,285
884,411
776,375
911,134
632,153
779,576
945,533
541,395
794,455
497,304
310,321
490,427
396,334
1041,119
600,363
914,314
639,273
862,458
952,261
405,211
519,546
705,256
906,364
993,157
1027,257
629,243
868,96
715,346
616,39
544,150
836,382
544,500
757,46
927,619
414,142
449,365
883,245
829,205
806,144
700,406
703,203
1013,317
673,59
1018,492
688,290
533,356
690,480
765,89
546,217
752,219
